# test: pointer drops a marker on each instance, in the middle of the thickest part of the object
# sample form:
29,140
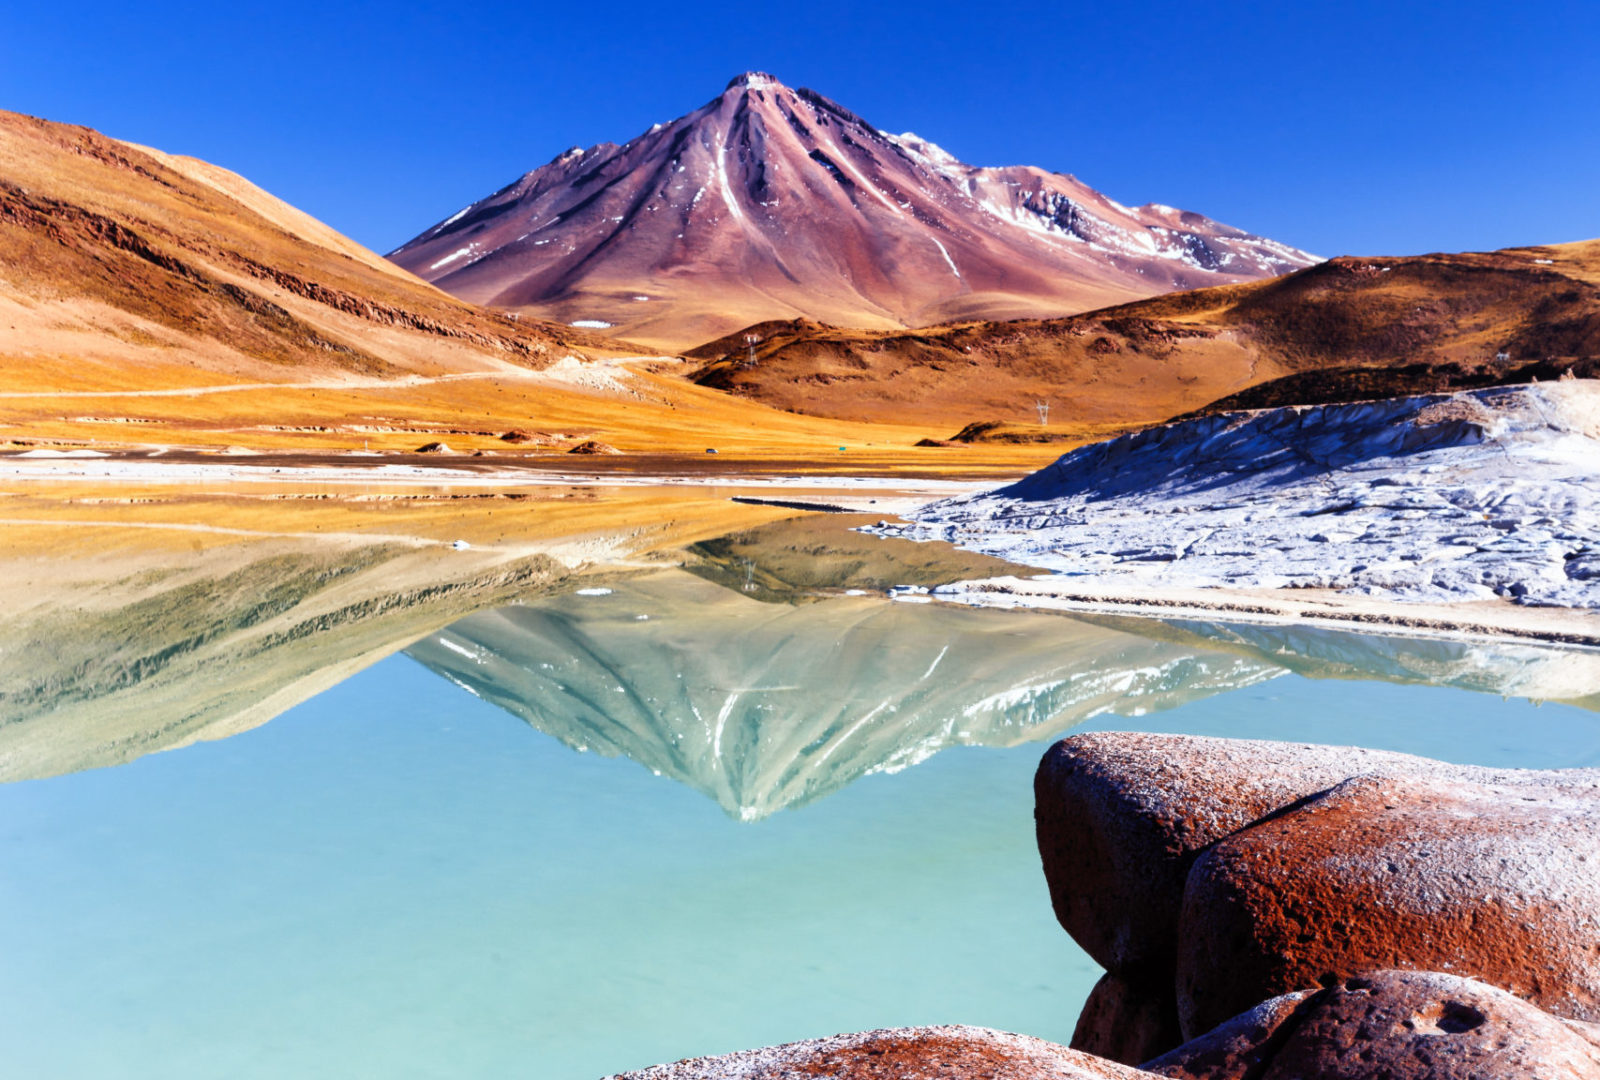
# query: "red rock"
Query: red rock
1500,881
1239,1048
1397,1025
1128,1022
1121,817
926,1053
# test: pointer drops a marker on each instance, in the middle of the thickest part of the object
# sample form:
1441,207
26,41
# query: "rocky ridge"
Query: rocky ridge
1349,329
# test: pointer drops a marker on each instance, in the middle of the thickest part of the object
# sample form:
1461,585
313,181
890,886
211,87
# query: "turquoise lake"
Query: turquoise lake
679,813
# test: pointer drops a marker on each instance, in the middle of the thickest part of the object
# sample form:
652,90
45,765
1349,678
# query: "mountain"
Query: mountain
772,203
1345,329
151,301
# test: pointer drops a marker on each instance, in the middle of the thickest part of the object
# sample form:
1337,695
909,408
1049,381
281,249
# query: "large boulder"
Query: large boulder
923,1053
1121,816
1286,871
1499,881
1128,1021
1394,1025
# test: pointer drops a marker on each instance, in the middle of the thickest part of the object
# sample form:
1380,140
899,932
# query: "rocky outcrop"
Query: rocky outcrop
1399,1025
924,1053
1393,1025
1296,912
1224,872
1125,1019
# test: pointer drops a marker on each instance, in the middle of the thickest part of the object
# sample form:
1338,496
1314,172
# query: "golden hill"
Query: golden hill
1347,326
129,267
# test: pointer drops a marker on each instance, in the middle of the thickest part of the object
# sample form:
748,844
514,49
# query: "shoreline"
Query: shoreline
892,496
1494,621
420,469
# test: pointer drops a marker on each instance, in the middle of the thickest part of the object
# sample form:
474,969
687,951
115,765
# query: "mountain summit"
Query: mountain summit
768,202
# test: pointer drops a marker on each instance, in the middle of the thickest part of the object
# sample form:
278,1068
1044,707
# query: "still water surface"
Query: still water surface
702,811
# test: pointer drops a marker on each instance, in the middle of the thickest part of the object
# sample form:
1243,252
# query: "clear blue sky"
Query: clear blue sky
1359,127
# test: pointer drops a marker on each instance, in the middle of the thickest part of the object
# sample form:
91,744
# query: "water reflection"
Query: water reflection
1539,672
767,705
143,650
765,668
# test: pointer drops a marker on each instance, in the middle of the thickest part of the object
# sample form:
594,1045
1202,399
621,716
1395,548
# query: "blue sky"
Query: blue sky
1357,127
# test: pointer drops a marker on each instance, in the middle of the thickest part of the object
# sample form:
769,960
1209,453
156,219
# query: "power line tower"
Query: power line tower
1044,412
751,341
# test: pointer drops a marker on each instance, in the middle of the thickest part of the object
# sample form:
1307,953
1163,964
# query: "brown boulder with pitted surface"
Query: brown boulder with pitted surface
1125,822
1397,1025
1121,817
923,1053
1499,881
1127,1021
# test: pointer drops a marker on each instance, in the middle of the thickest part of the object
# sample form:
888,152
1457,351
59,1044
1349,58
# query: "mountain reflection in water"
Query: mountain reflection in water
765,668
763,706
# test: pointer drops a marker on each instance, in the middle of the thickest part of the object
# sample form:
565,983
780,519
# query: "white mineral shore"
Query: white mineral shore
1466,511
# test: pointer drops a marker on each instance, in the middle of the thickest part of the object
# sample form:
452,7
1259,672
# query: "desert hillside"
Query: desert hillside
131,268
1391,325
149,301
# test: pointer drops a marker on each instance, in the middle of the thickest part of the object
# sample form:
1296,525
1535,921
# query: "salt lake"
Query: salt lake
734,797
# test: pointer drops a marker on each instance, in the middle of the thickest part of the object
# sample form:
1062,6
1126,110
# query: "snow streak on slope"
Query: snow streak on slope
1471,496
812,212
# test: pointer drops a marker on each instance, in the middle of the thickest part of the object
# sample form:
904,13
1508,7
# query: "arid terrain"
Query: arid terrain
1346,329
769,202
153,303
160,304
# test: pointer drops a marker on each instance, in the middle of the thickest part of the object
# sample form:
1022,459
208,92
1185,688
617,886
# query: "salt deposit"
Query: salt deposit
1471,496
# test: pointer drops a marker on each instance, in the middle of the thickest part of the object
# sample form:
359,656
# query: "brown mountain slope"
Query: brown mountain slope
769,202
153,301
1150,360
122,267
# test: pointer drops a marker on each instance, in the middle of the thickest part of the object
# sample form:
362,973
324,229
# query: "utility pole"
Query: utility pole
1044,412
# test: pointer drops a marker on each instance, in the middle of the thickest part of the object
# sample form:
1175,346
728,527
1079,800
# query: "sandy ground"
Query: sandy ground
656,420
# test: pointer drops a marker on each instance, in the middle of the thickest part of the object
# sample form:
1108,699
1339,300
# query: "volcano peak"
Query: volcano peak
754,80
771,203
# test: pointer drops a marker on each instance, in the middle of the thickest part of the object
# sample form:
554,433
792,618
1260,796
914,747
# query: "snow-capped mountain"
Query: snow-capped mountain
768,202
